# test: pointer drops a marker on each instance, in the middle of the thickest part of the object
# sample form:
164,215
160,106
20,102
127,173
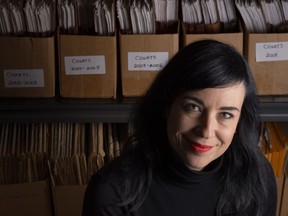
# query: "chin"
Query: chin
196,167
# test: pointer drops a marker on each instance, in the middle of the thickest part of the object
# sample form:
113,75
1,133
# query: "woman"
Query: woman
194,150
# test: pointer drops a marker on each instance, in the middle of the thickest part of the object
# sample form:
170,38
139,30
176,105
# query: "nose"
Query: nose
207,126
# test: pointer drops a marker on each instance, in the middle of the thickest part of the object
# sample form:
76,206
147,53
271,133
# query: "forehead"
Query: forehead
222,96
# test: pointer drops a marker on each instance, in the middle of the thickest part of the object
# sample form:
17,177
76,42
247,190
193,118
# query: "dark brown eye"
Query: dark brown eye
227,115
191,107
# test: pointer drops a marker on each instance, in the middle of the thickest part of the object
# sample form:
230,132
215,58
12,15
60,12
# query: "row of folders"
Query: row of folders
99,17
77,62
65,153
36,151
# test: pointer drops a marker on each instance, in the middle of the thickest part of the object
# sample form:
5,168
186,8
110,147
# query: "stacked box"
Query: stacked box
267,56
26,199
88,66
235,39
142,57
68,200
27,66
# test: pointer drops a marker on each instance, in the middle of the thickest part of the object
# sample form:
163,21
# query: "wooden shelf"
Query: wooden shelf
102,110
65,110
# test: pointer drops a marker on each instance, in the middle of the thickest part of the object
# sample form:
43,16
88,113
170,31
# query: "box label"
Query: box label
147,61
275,51
24,78
81,65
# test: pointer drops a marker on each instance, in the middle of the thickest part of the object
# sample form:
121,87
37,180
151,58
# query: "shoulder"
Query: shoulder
106,189
100,195
271,190
101,186
268,173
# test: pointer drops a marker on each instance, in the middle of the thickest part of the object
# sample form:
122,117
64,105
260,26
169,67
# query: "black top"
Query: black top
175,191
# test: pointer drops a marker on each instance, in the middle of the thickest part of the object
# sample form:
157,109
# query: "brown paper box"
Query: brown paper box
271,77
76,80
137,75
234,39
68,200
279,183
284,201
26,199
27,67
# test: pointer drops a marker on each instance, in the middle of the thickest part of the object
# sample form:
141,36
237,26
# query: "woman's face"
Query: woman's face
201,124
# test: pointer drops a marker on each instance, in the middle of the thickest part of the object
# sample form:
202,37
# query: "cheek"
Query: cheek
226,139
172,129
177,122
174,126
221,150
227,136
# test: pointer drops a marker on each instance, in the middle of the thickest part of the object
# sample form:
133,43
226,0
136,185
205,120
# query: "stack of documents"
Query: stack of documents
65,153
106,142
40,16
227,15
23,152
166,12
66,157
12,18
86,17
285,9
115,136
96,153
32,17
104,18
74,157
209,16
67,16
147,16
263,16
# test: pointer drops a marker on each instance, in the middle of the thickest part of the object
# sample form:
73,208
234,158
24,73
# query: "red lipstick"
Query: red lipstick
197,147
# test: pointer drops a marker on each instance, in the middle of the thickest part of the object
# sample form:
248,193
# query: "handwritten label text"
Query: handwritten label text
274,51
83,65
24,78
147,61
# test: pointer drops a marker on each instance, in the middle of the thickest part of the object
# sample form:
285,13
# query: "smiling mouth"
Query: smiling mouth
197,147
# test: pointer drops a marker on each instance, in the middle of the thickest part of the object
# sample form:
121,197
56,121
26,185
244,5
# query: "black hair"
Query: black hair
199,65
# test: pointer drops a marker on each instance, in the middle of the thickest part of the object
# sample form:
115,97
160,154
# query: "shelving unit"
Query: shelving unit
65,110
103,110
274,111
274,108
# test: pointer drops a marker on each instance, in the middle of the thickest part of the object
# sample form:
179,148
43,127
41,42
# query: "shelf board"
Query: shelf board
102,110
274,108
65,110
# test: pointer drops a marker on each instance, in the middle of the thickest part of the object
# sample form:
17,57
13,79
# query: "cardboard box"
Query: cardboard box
284,201
27,67
88,66
68,200
234,39
142,57
267,56
26,199
279,183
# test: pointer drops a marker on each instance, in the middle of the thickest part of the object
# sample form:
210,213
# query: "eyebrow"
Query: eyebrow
230,108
